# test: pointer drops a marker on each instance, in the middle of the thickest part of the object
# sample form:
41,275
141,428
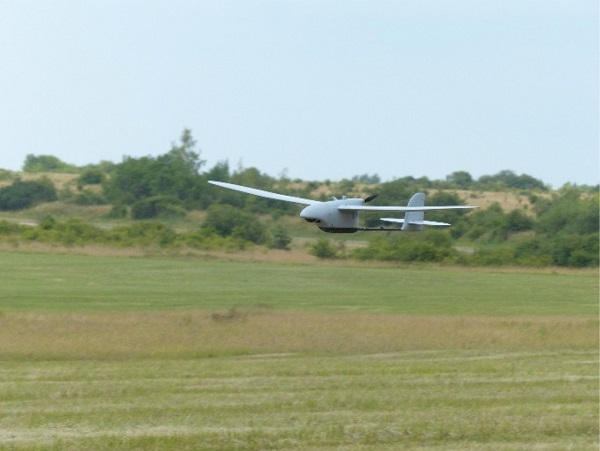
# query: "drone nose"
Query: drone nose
308,214
304,212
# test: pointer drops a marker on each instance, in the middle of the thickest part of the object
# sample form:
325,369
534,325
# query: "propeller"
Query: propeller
370,198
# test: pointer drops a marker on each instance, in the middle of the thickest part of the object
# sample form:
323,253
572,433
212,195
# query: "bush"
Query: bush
117,212
153,207
46,163
88,197
21,194
48,223
10,228
206,239
5,174
433,246
71,232
323,248
279,238
517,221
226,220
91,176
142,234
74,232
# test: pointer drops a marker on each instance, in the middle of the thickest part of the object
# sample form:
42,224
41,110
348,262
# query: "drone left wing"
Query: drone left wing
267,194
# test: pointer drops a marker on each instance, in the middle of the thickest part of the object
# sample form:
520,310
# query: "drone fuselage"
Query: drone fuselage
329,218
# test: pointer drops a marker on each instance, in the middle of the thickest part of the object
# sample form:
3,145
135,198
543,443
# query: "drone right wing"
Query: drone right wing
267,194
420,223
408,208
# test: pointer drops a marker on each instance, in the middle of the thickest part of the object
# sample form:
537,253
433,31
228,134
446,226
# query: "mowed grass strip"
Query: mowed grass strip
198,334
413,399
50,282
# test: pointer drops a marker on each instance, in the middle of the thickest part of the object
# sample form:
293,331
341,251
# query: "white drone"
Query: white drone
341,215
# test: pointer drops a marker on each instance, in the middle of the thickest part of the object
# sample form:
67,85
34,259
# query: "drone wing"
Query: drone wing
386,208
418,223
267,194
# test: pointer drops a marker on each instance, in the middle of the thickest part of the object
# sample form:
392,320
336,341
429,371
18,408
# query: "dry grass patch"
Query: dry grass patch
509,200
60,180
259,330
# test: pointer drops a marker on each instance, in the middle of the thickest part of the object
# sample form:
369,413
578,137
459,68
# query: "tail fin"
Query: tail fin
417,200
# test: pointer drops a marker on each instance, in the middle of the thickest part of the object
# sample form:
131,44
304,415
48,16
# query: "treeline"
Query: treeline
563,232
559,228
175,182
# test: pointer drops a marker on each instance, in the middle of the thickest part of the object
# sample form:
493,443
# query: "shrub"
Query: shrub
226,220
91,176
117,212
23,194
5,174
48,223
323,248
207,239
88,197
430,247
517,221
279,238
153,207
9,228
71,232
142,234
46,163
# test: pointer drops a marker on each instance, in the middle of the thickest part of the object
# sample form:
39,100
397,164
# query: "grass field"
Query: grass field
102,352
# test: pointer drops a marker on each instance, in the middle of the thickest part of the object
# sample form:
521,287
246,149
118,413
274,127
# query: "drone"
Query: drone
341,215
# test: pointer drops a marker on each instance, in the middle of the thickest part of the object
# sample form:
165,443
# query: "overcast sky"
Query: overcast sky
322,89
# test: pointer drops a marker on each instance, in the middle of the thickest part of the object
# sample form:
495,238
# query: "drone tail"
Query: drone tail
413,220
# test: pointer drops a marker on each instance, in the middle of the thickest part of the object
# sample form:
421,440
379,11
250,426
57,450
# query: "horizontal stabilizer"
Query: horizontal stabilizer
424,223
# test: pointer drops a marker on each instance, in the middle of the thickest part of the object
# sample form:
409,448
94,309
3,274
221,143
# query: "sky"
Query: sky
318,89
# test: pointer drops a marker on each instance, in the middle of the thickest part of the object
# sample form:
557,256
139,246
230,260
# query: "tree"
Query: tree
219,172
151,207
46,163
509,179
186,153
367,179
174,174
461,179
23,194
91,176
445,198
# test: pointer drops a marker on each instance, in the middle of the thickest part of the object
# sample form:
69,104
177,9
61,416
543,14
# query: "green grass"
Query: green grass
50,282
111,353
444,400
